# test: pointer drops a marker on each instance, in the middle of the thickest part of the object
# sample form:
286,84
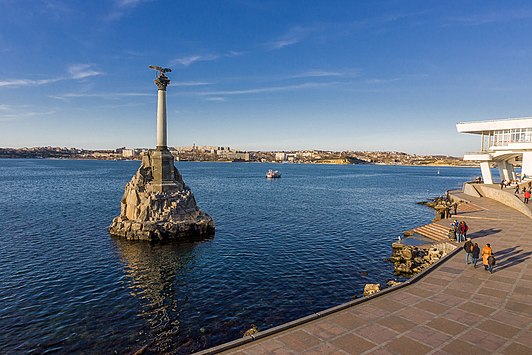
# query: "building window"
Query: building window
503,137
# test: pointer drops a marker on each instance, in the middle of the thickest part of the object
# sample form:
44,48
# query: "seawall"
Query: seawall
450,307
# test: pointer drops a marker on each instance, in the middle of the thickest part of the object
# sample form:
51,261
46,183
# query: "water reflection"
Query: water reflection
156,277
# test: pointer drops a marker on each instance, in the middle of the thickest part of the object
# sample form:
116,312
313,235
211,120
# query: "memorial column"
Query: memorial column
162,82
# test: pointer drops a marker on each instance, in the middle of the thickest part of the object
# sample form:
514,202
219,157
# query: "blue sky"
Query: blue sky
257,74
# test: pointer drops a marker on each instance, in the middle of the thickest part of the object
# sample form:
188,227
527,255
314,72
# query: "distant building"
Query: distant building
203,149
290,157
280,156
505,142
129,153
231,155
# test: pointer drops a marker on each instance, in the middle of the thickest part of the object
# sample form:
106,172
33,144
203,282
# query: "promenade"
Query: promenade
454,309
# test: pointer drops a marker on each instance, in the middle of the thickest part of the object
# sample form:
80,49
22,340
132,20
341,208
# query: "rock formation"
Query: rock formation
370,289
251,331
408,260
159,211
392,283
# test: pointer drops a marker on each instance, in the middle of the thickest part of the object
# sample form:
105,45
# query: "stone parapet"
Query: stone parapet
509,199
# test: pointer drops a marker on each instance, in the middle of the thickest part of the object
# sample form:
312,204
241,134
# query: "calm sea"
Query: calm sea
283,249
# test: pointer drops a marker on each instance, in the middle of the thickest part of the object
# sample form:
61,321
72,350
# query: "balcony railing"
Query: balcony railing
477,153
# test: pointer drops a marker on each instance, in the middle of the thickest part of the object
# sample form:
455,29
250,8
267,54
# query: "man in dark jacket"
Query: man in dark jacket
468,247
476,254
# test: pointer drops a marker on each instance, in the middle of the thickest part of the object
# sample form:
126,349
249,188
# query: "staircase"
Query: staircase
433,231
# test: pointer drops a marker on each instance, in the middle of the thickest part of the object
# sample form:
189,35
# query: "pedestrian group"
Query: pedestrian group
473,253
458,231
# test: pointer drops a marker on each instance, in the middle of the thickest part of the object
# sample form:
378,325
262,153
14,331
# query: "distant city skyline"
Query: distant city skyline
262,75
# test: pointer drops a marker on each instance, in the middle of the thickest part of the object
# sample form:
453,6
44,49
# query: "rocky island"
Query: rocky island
157,204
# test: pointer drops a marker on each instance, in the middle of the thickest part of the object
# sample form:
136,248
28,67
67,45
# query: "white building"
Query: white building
506,142
129,153
280,156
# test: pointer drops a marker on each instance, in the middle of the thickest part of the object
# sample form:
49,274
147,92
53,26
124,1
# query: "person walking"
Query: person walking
465,228
476,254
461,230
491,263
517,190
486,252
452,234
468,247
526,196
454,225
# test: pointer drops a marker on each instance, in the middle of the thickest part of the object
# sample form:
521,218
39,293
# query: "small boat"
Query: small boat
272,174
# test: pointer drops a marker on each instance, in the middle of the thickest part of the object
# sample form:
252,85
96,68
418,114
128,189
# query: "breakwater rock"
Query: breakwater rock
408,260
370,289
158,205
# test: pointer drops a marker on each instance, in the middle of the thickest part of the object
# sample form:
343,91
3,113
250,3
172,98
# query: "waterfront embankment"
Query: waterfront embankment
449,308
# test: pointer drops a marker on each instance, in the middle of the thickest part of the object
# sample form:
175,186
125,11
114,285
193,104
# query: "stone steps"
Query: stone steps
433,231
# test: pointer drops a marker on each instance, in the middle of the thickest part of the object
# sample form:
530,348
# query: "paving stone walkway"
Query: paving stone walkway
455,309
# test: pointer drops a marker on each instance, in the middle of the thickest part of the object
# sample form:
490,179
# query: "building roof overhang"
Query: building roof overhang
479,127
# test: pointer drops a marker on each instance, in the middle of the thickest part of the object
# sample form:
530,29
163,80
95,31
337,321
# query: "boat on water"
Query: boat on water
272,174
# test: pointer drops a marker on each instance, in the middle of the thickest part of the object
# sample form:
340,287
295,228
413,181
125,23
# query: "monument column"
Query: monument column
162,161
162,82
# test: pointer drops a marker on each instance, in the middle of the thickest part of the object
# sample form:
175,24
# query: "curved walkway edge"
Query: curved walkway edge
451,307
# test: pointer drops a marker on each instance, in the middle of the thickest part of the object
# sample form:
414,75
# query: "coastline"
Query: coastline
248,162
280,329
449,307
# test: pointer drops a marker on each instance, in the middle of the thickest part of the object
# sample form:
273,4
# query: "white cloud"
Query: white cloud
129,3
189,83
11,112
82,71
216,99
270,89
26,82
121,7
103,95
293,36
188,60
75,72
231,54
509,15
381,81
316,74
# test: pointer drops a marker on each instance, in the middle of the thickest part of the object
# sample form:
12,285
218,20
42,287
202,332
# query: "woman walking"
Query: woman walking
486,252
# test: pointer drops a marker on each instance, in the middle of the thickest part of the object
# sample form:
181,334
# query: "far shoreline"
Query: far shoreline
248,162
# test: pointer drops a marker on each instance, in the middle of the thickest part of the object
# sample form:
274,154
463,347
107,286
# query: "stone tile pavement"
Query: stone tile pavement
455,309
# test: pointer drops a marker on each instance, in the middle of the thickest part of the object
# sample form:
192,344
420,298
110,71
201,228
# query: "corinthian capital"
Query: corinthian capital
162,82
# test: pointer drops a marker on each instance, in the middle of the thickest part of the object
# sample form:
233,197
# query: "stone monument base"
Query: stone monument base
154,209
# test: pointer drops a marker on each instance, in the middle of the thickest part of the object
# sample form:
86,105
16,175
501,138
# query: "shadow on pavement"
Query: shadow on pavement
484,232
510,257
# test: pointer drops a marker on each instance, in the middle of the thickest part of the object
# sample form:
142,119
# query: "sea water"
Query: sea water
284,248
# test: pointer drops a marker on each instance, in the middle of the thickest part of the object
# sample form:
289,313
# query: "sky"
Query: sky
262,75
